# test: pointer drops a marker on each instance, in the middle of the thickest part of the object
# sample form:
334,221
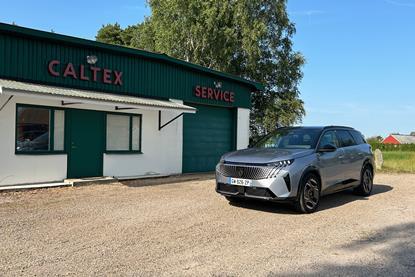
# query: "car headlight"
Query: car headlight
278,166
283,163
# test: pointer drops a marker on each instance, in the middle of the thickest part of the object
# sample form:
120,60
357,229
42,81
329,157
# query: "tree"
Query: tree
248,38
374,139
110,33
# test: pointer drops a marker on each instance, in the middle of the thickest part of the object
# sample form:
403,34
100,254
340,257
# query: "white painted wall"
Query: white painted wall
242,139
18,169
162,150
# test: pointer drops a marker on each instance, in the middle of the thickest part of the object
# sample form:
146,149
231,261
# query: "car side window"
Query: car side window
329,137
358,137
345,138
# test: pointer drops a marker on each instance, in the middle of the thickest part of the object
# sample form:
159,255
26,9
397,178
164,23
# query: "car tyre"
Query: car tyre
308,198
366,183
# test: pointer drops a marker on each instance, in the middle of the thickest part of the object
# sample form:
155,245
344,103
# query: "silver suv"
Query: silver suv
298,164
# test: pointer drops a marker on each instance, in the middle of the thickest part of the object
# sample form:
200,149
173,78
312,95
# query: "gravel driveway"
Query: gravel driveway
182,227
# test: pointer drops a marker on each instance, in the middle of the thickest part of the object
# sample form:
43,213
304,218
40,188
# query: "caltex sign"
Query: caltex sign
82,72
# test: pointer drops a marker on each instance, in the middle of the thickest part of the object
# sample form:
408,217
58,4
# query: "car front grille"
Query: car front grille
246,172
247,191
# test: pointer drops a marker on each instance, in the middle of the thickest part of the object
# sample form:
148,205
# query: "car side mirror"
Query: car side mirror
327,148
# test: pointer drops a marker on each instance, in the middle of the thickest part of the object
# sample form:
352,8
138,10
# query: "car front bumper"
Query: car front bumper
277,188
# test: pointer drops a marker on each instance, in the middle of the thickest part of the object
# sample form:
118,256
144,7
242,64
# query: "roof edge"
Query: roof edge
4,27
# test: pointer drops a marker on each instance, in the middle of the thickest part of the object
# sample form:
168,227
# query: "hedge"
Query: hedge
392,147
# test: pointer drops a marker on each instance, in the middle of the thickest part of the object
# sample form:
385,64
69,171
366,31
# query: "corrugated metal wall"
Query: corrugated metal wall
26,58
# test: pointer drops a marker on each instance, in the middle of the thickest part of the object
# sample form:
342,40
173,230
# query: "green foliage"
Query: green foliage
248,38
399,161
374,140
110,33
392,147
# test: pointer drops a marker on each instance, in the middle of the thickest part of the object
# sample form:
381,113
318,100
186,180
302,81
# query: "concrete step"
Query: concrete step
34,186
90,181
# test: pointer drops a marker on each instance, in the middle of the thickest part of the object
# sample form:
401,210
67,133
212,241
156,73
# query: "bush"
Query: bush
392,147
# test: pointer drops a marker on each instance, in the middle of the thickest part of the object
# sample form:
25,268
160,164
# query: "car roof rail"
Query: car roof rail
338,126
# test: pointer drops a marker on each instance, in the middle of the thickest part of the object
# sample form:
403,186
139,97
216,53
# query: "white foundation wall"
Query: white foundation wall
242,139
161,150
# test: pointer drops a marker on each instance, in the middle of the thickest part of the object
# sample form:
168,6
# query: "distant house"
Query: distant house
399,139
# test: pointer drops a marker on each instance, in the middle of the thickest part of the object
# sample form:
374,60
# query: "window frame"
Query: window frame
130,135
51,150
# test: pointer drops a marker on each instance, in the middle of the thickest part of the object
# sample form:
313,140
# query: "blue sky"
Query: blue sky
360,54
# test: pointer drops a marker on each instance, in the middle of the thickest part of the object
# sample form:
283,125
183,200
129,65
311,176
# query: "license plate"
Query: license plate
239,182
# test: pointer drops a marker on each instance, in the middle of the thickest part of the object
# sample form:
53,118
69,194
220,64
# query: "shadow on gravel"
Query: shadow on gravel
394,246
264,206
347,196
327,202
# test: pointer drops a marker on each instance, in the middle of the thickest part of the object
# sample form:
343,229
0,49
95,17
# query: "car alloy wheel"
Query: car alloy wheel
367,181
366,184
311,194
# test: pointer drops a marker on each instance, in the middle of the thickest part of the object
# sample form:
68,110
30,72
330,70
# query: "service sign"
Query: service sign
214,94
89,73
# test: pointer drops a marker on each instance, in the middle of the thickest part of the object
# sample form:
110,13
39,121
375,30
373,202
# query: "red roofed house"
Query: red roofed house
399,139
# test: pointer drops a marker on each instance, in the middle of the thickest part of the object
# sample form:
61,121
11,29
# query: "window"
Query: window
345,138
123,133
329,138
291,138
39,129
358,137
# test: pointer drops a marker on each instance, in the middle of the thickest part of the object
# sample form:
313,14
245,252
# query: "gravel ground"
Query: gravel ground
180,226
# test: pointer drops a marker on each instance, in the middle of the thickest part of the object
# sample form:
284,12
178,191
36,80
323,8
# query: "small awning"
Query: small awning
89,97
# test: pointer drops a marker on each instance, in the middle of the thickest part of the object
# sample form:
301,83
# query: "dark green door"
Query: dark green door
85,143
207,135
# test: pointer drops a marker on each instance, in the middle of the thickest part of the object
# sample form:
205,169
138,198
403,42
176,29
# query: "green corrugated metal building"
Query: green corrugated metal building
77,108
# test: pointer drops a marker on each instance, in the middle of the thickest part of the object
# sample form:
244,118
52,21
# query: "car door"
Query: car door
331,163
360,152
352,158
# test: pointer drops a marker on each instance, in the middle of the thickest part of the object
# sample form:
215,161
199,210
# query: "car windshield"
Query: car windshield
296,138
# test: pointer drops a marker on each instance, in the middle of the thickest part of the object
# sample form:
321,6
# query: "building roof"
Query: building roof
404,139
124,50
91,97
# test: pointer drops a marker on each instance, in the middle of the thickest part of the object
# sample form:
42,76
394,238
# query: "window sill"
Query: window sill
122,152
31,153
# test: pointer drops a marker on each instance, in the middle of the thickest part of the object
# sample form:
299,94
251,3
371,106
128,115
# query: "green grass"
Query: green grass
398,161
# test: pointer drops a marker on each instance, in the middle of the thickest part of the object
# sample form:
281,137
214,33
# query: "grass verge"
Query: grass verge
398,161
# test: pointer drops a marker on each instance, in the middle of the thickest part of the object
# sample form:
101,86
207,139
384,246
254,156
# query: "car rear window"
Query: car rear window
358,137
345,138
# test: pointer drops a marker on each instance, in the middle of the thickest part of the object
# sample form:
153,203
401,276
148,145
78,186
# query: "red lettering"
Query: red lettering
51,69
232,97
82,73
117,76
216,93
106,76
197,91
70,71
95,70
209,93
203,92
226,96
